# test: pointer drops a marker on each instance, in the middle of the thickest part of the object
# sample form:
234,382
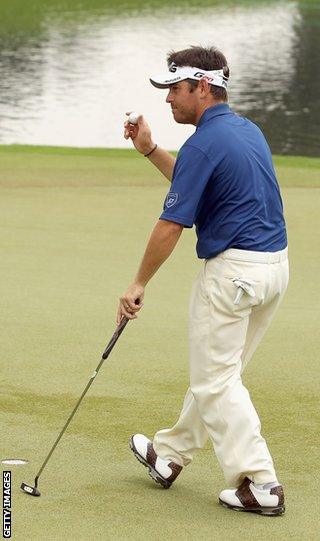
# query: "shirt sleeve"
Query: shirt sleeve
191,174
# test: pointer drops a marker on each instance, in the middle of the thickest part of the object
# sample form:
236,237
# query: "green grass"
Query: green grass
74,224
36,166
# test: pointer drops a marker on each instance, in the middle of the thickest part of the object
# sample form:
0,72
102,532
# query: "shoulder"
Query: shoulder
195,146
192,153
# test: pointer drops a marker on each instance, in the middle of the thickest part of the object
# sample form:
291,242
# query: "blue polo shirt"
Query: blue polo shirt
224,183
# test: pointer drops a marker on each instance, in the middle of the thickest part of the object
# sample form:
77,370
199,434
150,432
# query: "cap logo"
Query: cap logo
173,80
173,67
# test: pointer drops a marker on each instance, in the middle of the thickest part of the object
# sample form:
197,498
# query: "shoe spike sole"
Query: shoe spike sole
265,511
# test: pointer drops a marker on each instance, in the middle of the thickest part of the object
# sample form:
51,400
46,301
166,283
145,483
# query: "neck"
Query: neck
204,107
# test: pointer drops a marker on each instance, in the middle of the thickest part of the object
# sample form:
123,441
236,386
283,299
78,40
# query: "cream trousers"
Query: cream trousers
232,304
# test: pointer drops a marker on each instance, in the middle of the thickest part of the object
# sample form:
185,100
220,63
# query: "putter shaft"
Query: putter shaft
105,355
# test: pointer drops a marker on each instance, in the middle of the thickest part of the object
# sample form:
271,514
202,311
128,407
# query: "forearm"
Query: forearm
164,161
164,238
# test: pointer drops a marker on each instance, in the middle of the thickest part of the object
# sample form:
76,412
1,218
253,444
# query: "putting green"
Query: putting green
74,226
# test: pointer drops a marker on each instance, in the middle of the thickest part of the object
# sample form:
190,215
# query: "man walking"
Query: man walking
223,181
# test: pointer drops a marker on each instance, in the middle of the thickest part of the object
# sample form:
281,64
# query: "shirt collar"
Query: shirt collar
211,112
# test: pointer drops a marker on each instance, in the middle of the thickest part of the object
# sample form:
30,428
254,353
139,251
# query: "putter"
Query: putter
33,490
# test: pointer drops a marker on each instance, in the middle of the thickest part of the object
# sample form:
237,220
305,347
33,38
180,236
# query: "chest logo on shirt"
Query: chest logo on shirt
171,199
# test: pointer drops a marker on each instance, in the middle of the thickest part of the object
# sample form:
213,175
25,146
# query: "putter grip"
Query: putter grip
115,337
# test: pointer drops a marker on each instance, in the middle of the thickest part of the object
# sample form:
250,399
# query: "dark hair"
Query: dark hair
206,58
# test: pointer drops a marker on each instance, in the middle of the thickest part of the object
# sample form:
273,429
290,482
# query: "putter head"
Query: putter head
33,491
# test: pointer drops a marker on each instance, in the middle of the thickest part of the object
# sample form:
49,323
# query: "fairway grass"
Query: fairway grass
74,226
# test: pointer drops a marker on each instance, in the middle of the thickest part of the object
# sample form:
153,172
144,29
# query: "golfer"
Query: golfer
224,183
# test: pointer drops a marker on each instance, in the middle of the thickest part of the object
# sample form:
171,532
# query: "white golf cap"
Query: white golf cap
175,74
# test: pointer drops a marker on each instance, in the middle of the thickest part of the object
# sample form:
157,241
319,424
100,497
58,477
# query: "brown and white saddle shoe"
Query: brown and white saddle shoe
265,501
162,471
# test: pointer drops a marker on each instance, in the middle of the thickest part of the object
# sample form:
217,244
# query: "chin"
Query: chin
181,120
184,121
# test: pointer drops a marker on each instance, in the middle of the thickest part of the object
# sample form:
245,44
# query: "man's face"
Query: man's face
183,103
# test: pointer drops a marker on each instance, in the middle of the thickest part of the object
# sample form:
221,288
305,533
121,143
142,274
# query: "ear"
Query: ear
204,87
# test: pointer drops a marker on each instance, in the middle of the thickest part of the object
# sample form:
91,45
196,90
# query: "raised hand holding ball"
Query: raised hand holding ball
137,129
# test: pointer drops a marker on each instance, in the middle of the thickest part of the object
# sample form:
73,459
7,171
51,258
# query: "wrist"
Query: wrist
151,151
139,282
148,148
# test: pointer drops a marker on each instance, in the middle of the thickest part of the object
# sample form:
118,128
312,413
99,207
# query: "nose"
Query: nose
169,98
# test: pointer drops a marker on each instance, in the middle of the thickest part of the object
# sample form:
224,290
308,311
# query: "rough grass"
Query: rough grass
74,224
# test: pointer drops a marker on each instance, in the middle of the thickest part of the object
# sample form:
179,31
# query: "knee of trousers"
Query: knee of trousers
214,385
208,395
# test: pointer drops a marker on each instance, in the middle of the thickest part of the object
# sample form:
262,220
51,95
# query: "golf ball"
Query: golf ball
133,118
